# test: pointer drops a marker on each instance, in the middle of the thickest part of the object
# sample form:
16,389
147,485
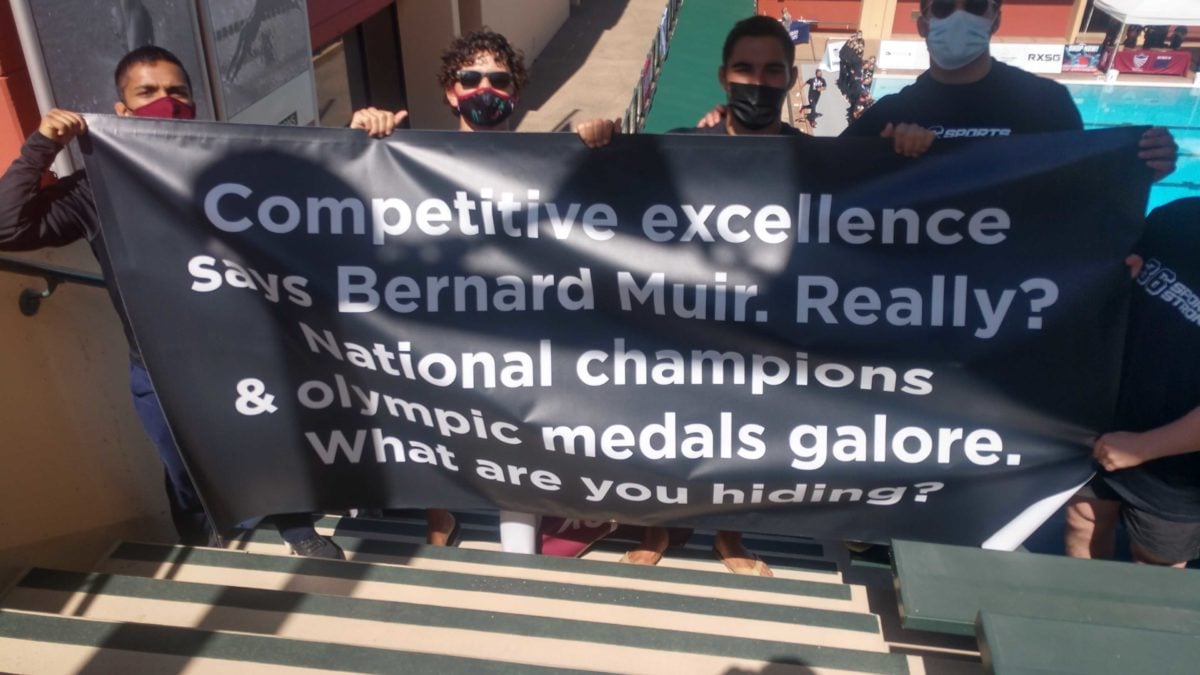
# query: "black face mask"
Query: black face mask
755,106
486,107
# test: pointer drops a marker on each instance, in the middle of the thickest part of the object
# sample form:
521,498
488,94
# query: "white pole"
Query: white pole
31,49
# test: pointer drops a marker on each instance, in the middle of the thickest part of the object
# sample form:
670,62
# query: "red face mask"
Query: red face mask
167,108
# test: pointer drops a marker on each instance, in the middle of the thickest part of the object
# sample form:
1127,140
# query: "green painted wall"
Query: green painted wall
687,86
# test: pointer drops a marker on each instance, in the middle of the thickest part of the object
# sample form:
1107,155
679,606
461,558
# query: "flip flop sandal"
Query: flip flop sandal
625,559
755,570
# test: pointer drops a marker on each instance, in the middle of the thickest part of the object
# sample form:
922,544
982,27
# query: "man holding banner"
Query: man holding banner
1151,462
968,94
151,83
757,71
481,77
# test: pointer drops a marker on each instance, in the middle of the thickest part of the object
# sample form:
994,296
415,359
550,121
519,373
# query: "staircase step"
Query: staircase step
410,524
50,645
369,540
485,632
497,563
792,602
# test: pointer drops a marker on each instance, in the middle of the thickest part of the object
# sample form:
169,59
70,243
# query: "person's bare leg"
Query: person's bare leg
1091,527
439,525
654,542
728,545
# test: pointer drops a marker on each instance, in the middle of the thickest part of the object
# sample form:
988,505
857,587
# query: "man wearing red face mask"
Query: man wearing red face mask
151,82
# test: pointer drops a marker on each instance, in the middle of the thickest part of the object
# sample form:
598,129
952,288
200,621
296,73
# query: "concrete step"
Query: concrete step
608,636
369,540
633,599
52,645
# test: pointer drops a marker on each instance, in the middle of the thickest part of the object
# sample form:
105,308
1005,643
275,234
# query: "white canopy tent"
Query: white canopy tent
1148,13
1152,12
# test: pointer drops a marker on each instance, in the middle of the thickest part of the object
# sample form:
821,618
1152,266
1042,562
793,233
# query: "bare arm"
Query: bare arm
1127,449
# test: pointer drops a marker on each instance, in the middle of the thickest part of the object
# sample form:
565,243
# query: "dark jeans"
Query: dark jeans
186,510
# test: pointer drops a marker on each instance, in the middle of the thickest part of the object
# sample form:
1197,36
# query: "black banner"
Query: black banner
808,336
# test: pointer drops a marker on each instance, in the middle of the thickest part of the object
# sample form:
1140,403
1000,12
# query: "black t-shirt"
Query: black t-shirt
1006,101
785,129
1161,375
815,84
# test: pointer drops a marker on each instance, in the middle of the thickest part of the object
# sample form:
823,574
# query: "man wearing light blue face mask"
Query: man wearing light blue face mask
967,94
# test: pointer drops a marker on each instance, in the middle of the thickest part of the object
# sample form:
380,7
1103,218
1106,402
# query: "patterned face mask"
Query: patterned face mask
486,107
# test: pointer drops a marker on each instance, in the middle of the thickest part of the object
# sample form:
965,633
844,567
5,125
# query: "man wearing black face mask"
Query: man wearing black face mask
151,82
968,94
756,73
757,70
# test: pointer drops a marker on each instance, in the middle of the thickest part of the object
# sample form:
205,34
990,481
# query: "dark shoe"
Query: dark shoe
317,546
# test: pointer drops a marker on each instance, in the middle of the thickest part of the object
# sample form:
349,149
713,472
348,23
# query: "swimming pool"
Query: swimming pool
1102,105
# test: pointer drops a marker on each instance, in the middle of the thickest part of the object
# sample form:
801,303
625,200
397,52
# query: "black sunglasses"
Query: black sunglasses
470,79
941,9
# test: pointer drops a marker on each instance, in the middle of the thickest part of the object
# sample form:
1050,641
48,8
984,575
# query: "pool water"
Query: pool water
1100,105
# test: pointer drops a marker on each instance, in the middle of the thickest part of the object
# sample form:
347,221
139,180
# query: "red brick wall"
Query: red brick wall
18,107
1019,18
824,11
1036,18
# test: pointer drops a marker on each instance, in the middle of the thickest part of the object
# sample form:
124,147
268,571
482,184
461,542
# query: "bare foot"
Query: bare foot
729,550
654,542
440,525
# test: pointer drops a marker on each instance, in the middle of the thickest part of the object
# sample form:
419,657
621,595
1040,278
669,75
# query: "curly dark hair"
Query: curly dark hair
463,50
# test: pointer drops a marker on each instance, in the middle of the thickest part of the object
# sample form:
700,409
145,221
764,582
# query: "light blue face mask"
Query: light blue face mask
958,39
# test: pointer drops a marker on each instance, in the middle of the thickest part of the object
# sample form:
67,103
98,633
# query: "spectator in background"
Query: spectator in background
1155,37
1132,33
850,64
1178,36
816,85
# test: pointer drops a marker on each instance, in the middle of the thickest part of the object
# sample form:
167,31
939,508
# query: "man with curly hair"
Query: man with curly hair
481,77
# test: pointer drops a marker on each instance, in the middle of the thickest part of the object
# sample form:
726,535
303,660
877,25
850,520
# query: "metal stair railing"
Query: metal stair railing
30,299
